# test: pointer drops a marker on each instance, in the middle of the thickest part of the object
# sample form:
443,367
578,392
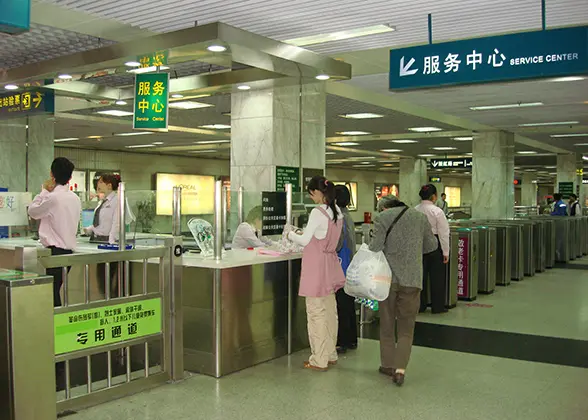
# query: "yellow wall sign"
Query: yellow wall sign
197,193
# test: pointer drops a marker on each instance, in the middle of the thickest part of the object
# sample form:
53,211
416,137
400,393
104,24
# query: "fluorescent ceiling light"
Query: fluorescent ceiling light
133,133
391,150
549,123
443,148
550,167
362,166
581,144
338,36
10,87
567,79
388,164
189,105
426,155
216,126
330,153
158,143
353,133
362,157
147,69
212,141
177,96
120,102
466,138
468,154
243,87
322,77
64,76
216,48
585,157
132,64
115,113
507,106
94,137
404,141
527,152
139,146
347,143
203,151
361,116
425,129
569,135
66,139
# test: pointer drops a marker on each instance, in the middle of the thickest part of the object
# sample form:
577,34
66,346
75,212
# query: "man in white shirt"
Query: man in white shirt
58,210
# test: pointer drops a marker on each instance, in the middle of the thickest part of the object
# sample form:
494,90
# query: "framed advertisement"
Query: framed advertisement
384,190
352,187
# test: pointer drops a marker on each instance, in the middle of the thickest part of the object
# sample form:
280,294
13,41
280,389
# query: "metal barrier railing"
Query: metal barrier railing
526,211
112,326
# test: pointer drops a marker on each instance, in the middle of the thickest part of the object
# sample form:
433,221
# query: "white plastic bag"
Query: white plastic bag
369,275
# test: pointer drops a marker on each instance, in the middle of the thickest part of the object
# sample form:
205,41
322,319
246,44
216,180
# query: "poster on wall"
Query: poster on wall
384,190
352,187
197,193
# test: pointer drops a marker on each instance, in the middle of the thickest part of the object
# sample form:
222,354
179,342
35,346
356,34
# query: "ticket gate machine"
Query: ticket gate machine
487,259
464,262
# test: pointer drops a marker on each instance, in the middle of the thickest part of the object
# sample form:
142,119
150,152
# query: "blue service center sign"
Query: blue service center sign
527,55
15,16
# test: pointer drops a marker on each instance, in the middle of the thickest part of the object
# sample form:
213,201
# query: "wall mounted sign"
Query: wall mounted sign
526,55
197,193
151,101
436,179
15,16
88,328
309,173
566,189
26,103
287,175
451,163
273,212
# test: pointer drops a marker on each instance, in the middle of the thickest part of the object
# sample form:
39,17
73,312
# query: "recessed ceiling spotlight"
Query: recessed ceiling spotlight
243,87
404,141
11,87
216,48
466,138
177,95
353,133
132,64
120,102
323,77
361,116
64,76
189,105
527,152
158,143
568,79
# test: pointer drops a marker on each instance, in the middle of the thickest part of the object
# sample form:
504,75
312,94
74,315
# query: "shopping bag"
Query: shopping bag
369,275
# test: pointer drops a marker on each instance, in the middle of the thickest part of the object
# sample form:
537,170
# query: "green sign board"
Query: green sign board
26,103
287,175
566,189
155,59
88,328
151,101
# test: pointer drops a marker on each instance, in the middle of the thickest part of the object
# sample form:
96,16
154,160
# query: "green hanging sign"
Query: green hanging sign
89,328
151,102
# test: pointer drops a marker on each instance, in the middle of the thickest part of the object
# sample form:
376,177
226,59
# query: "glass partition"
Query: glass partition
14,219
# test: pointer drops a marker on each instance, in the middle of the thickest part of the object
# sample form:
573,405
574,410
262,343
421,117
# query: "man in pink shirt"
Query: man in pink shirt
58,210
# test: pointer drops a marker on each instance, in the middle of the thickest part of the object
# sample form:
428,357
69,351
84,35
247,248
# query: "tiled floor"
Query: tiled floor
440,385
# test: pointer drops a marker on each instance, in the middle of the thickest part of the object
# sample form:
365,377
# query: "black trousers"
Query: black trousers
435,275
57,274
347,335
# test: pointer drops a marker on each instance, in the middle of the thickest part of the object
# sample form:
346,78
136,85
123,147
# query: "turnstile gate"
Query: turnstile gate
562,239
487,259
464,263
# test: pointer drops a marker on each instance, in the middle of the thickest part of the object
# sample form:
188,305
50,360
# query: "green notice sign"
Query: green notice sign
287,175
151,101
89,328
566,189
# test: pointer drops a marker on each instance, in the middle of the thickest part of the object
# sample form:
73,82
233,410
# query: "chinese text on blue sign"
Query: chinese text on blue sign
451,163
557,52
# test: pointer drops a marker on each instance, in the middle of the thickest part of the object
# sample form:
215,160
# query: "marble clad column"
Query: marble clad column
265,133
493,175
14,136
529,189
413,175
566,172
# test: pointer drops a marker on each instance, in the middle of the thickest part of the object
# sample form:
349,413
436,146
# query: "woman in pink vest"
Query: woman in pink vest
322,274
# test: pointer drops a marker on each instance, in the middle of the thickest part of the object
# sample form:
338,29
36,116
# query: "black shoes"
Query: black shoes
343,349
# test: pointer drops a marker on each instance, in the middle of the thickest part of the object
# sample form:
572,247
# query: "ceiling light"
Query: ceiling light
466,138
341,35
527,152
212,141
443,148
388,164
203,151
362,166
10,87
519,105
147,69
216,126
353,133
585,157
567,79
549,123
189,105
569,135
66,139
177,96
425,129
426,155
64,77
243,87
216,48
330,153
361,116
550,167
158,143
391,150
139,146
133,133
404,141
132,64
362,157
119,102
347,143
322,77
115,113
94,137
468,154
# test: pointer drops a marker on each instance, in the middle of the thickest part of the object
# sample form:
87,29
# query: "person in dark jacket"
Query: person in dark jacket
560,207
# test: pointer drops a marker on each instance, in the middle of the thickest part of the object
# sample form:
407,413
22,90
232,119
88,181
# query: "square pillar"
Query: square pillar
413,175
529,189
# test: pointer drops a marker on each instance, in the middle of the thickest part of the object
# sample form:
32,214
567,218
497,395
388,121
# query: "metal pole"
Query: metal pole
122,234
218,220
177,212
543,18
241,215
288,204
430,21
217,309
290,292
225,212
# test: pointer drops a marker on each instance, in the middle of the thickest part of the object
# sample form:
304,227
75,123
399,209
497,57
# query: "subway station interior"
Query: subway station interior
189,123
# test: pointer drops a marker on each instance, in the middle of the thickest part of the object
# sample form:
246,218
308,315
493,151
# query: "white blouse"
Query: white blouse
318,226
